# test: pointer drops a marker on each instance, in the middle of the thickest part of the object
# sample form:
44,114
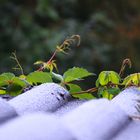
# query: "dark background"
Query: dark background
109,30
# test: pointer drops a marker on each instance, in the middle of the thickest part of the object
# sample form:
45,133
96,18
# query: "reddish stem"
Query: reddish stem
125,62
52,56
91,90
42,68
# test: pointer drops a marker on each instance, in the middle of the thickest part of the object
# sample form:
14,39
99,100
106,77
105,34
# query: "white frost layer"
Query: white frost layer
6,111
46,97
96,120
68,107
38,126
128,100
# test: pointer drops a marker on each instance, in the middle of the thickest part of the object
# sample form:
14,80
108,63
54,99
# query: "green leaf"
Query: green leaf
113,90
22,76
2,92
16,87
19,81
14,90
107,95
50,65
108,92
97,83
75,88
107,76
5,78
75,73
133,79
8,75
103,92
39,77
39,63
57,76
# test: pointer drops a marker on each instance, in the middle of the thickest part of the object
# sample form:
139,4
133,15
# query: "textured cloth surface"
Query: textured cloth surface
47,112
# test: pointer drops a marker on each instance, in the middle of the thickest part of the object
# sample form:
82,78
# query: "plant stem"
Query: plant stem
91,90
52,56
125,62
42,67
18,64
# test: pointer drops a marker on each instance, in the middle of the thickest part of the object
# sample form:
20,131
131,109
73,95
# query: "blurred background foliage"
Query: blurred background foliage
109,30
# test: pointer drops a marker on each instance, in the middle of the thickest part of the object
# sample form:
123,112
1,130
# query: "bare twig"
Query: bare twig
18,67
91,90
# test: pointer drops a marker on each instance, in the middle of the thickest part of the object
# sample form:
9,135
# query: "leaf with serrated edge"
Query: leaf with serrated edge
14,90
108,76
39,77
75,73
75,88
132,79
5,77
8,75
20,82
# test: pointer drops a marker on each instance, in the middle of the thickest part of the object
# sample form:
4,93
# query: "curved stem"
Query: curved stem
125,62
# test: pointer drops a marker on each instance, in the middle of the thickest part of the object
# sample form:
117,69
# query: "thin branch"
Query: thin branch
91,90
19,67
52,57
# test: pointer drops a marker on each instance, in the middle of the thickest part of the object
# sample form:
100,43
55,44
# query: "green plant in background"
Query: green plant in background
63,48
107,28
107,85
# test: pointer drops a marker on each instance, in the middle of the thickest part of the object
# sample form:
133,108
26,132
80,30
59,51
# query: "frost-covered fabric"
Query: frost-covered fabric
38,126
128,100
48,113
46,97
6,111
